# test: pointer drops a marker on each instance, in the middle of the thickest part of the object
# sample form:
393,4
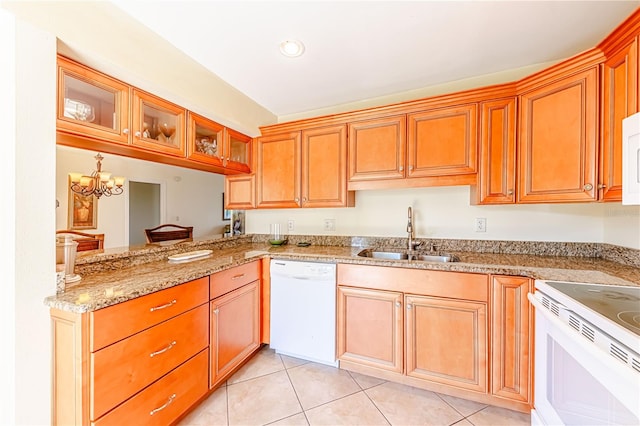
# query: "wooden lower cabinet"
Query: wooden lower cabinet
370,328
234,332
235,329
462,334
446,341
512,341
165,400
118,356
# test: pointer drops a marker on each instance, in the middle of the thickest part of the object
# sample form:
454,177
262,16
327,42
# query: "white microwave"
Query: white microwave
631,160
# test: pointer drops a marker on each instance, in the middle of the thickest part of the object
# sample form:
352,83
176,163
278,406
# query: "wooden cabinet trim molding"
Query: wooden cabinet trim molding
622,34
571,66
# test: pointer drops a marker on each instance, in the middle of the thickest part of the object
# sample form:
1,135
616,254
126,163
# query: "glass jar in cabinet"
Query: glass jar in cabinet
205,140
91,104
158,125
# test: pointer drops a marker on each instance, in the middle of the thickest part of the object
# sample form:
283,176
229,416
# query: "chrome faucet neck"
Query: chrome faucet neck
410,229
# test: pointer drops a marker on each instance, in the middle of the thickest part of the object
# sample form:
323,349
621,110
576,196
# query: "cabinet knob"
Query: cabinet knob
510,192
216,310
296,199
409,306
125,131
587,187
398,304
410,168
138,134
602,186
401,168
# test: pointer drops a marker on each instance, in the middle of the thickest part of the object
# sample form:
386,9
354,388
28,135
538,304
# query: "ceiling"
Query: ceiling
359,50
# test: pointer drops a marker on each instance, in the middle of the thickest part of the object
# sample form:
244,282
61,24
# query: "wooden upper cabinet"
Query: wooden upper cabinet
278,164
240,192
558,140
324,168
158,125
511,343
442,142
237,151
377,149
497,153
205,140
619,100
91,104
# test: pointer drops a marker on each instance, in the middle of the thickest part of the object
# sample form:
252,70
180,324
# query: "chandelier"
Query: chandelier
99,183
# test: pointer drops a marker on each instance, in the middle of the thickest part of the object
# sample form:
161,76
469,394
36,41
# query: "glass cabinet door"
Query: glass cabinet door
204,140
158,125
237,151
91,104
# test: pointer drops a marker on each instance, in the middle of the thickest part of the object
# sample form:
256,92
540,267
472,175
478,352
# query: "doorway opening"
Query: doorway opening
146,209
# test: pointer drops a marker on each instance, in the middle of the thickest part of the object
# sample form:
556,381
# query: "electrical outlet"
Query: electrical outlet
329,224
481,224
290,225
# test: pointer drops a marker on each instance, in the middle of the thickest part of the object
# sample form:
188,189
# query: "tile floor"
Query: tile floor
275,389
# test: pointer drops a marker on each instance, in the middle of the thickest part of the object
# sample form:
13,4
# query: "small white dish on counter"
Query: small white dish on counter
190,255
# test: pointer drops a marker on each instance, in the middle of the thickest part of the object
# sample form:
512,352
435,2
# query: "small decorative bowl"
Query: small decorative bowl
278,242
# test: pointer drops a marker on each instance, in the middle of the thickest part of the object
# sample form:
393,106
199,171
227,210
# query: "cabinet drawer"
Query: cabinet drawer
117,322
225,281
165,400
124,368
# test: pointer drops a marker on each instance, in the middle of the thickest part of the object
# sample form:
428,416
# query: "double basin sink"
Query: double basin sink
406,255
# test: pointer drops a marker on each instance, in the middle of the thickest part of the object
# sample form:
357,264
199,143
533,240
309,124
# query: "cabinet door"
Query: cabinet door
442,142
497,174
377,149
511,342
237,151
204,140
91,104
446,341
278,170
158,125
558,140
619,101
324,167
370,328
240,192
235,329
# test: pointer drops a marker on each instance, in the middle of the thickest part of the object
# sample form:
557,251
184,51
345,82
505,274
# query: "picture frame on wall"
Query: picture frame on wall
83,211
226,214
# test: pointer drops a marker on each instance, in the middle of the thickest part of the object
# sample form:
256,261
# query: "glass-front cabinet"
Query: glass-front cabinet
92,104
212,143
157,124
205,140
237,151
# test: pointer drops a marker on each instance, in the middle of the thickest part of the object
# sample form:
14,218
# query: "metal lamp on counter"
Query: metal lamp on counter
99,183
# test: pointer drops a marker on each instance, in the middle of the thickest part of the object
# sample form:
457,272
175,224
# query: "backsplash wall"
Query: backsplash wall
445,212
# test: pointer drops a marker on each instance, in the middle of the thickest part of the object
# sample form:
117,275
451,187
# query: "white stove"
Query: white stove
587,353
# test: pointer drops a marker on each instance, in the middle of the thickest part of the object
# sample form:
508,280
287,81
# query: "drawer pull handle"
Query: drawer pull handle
157,308
161,351
163,406
235,277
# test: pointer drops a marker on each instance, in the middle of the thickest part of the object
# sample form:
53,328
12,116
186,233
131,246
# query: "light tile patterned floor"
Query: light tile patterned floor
275,389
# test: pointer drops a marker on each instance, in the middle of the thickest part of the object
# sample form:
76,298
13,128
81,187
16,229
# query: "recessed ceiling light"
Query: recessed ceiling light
292,48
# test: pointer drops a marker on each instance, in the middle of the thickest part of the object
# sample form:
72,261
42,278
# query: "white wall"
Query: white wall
441,212
28,169
622,225
193,197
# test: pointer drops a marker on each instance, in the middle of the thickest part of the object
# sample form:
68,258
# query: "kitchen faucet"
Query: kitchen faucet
411,244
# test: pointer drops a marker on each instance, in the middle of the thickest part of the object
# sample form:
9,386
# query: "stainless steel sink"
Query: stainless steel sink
383,254
403,255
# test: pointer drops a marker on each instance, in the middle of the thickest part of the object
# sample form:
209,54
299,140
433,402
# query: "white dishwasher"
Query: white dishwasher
303,310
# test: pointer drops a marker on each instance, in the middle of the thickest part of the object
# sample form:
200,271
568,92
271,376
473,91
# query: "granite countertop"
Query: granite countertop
102,288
